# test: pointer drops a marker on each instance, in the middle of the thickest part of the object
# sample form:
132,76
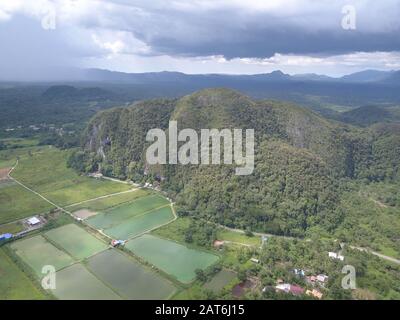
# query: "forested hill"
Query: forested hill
301,159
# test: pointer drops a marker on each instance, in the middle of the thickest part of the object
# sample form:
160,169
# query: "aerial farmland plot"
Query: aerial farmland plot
77,283
14,283
118,214
27,250
220,280
139,224
131,219
128,278
173,258
108,202
17,203
76,241
60,184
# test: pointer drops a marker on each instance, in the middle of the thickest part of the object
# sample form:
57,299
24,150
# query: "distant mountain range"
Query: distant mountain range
388,77
330,97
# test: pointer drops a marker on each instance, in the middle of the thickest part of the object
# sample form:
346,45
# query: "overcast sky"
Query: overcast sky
41,37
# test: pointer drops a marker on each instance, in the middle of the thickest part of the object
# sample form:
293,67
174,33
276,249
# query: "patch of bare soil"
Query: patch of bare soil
84,214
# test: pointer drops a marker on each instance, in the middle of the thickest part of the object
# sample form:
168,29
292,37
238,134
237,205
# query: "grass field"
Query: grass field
13,143
12,228
175,230
171,257
220,280
9,157
16,203
109,202
77,283
14,284
38,252
76,241
128,278
139,224
118,214
47,173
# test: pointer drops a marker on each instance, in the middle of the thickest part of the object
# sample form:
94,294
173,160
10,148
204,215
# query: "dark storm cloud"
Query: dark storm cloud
152,35
288,41
312,27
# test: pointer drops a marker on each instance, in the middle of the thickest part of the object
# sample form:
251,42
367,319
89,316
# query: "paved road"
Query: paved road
380,255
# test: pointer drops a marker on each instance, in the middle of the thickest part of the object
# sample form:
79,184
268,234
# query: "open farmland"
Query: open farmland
173,258
117,215
137,225
77,283
12,228
14,283
44,170
27,250
133,218
47,173
9,157
17,203
110,201
127,277
76,241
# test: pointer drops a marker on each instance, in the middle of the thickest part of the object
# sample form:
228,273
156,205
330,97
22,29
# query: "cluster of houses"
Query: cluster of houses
289,288
31,127
50,127
296,290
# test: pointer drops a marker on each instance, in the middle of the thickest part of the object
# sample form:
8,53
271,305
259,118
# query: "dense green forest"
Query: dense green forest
305,165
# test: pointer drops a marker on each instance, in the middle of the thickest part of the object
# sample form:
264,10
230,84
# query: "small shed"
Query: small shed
33,221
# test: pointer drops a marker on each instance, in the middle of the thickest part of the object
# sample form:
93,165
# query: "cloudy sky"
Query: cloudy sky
41,37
